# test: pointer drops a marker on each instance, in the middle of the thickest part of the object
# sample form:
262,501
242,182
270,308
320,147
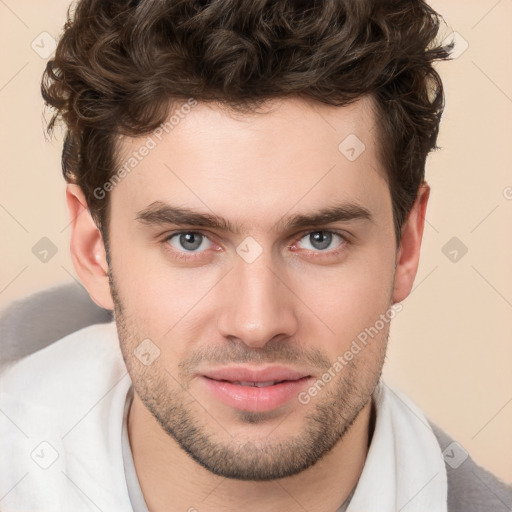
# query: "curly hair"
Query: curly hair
121,65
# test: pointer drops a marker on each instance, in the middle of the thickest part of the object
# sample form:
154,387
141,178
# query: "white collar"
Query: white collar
404,468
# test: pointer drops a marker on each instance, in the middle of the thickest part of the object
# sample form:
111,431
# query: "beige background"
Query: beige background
450,348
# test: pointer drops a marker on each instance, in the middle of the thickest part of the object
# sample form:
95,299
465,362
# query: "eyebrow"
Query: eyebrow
160,213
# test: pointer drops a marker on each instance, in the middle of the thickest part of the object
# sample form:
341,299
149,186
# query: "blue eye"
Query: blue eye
321,240
187,241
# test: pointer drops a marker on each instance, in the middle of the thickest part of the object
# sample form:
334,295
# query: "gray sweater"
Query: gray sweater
471,488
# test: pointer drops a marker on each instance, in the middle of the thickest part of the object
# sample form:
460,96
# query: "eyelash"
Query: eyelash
187,256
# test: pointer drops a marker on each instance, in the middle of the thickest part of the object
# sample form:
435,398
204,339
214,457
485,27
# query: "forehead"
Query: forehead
290,154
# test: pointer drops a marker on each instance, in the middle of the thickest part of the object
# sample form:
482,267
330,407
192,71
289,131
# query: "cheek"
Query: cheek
161,302
348,300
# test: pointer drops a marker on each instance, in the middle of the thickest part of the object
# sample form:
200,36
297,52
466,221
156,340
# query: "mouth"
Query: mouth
253,389
257,384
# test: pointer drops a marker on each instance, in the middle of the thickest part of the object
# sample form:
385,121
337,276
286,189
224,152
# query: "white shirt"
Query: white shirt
63,435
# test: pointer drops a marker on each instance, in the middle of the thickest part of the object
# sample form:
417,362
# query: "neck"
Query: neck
172,481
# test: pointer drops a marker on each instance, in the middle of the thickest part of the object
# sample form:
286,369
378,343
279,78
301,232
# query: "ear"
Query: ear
87,249
408,256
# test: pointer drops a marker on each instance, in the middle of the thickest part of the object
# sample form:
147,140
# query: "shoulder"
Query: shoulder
62,411
471,488
65,358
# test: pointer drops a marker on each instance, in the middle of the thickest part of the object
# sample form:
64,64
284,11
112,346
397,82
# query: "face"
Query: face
270,293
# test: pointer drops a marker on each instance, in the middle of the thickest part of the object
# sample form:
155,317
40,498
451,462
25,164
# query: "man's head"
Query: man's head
254,168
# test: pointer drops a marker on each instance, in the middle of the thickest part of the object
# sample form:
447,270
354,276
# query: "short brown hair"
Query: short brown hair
121,65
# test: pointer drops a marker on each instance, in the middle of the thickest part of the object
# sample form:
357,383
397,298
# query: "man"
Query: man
247,192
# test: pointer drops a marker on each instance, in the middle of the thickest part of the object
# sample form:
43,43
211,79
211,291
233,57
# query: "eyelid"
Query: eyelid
333,231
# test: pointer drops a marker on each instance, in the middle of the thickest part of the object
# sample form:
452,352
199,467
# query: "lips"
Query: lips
255,389
264,376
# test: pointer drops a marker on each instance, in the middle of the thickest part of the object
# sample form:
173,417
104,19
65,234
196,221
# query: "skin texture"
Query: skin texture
299,303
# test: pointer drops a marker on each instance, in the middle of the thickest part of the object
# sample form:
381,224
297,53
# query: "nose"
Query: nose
259,304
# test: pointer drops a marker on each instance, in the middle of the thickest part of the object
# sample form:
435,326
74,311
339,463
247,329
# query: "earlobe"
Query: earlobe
88,249
408,255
